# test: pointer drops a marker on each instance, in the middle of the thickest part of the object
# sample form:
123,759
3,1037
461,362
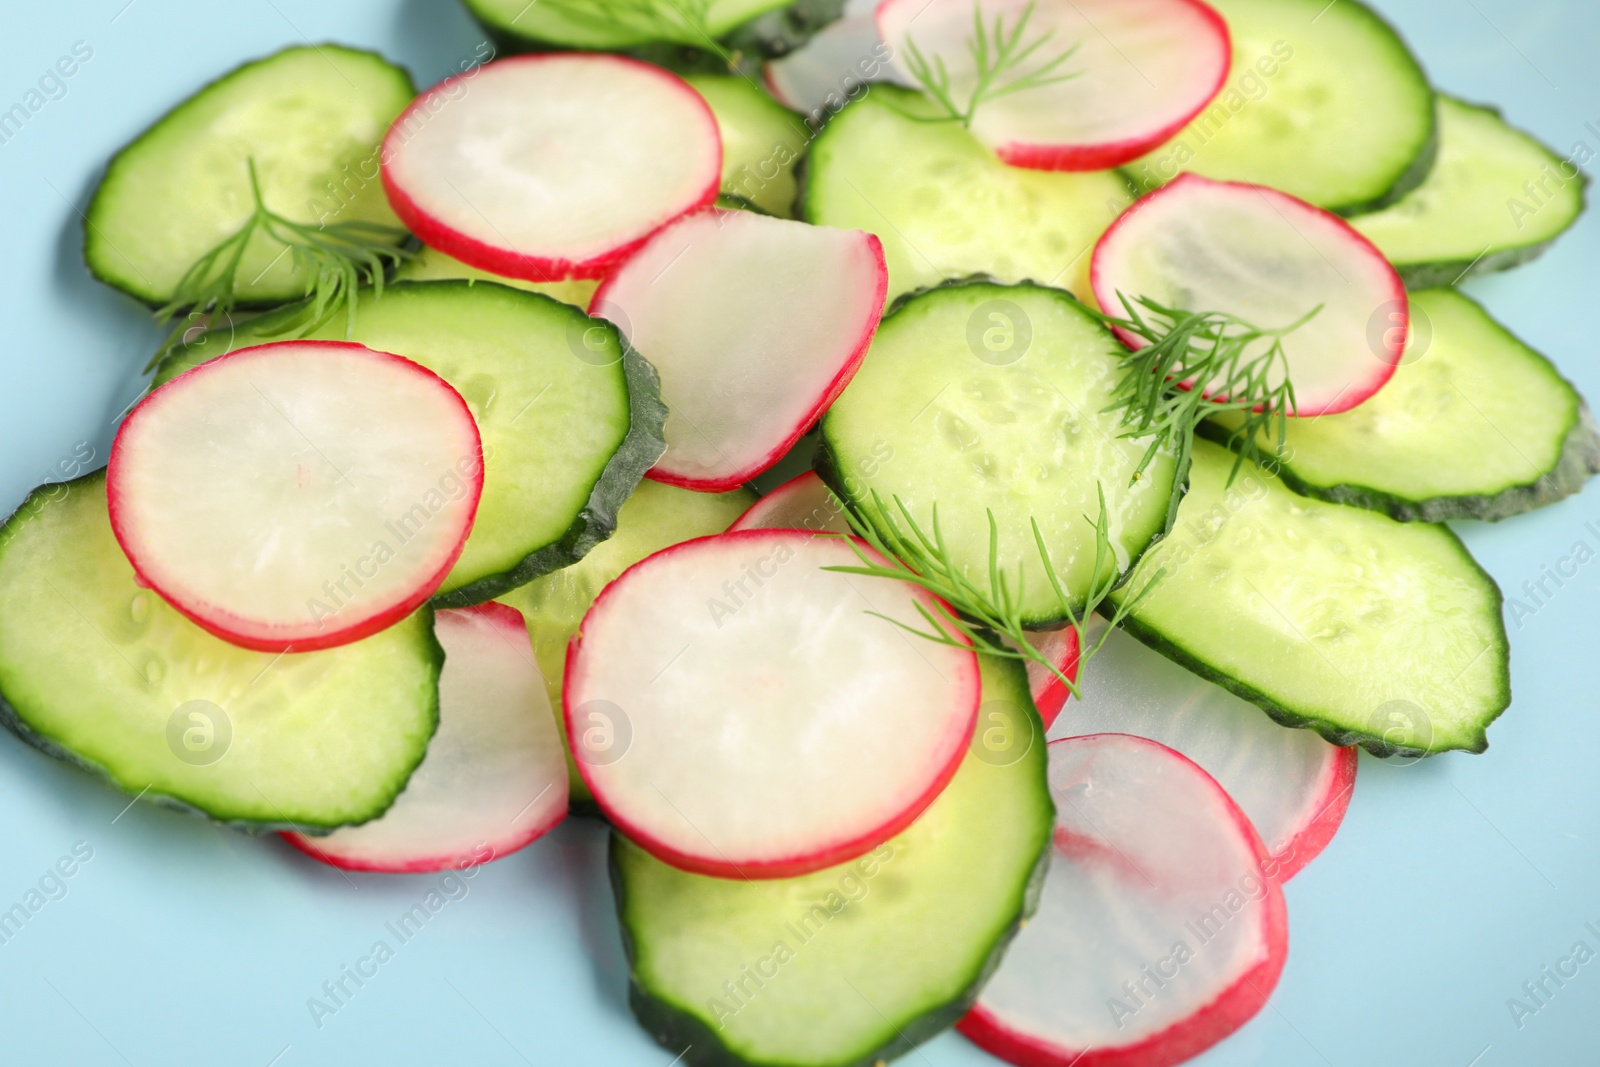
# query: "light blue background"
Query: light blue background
1450,885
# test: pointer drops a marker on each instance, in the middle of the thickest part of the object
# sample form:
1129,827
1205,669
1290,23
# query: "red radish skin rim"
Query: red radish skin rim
786,866
1190,1036
1054,696
506,616
841,380
217,621
1314,836
1108,154
513,264
754,516
1351,398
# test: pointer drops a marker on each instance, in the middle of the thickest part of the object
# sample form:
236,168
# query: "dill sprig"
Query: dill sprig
980,615
337,259
1198,364
685,22
996,53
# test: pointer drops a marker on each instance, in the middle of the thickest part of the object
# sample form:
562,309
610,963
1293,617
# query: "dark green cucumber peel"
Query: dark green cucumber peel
13,720
1580,460
640,448
1408,181
683,1029
643,445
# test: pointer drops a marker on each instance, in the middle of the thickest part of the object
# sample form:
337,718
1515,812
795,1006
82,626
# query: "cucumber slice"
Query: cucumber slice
854,964
761,142
654,517
944,207
310,117
1495,198
1323,101
432,265
1477,425
100,672
601,26
979,398
1310,611
570,419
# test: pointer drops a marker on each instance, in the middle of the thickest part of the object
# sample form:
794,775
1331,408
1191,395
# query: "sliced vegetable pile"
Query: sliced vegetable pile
438,519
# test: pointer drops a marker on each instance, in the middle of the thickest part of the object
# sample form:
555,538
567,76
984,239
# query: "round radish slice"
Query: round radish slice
759,722
495,776
551,166
805,503
831,68
1158,932
1114,78
755,325
1270,259
1293,785
297,495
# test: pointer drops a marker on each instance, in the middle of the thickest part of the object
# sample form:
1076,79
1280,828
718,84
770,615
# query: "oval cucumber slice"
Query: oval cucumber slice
761,142
569,420
1324,101
1309,610
656,516
1496,198
1473,425
980,399
601,26
432,265
310,117
102,673
854,964
945,208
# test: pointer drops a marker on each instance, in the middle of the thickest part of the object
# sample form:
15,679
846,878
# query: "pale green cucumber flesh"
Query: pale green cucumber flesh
945,208
1369,631
856,963
1496,198
983,398
310,117
1323,101
97,670
1473,425
584,24
761,142
570,420
432,265
553,606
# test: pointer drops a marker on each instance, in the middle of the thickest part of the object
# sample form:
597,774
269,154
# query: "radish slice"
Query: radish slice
1158,932
1138,71
805,503
551,166
831,68
1294,786
296,495
495,776
775,727
1270,259
755,325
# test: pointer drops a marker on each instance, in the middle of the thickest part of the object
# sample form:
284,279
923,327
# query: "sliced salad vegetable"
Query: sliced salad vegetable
755,325
745,765
853,964
761,142
1160,930
362,474
834,66
614,24
97,670
494,778
432,265
1474,425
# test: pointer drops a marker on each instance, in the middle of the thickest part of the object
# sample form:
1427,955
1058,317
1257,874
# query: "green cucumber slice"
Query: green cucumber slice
656,516
1477,425
1324,101
1310,610
311,117
945,208
855,964
570,419
596,25
978,397
432,265
100,672
1495,198
761,142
